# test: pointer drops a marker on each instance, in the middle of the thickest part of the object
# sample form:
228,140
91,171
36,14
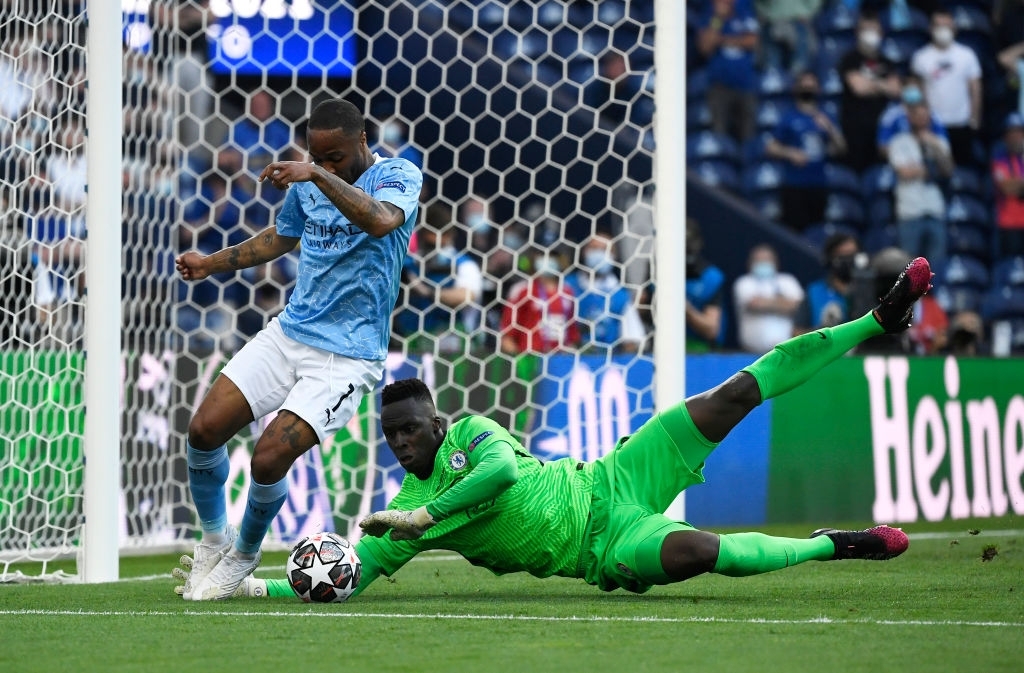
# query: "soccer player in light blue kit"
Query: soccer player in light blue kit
352,213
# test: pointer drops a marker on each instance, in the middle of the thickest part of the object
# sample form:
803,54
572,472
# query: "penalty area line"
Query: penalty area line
816,621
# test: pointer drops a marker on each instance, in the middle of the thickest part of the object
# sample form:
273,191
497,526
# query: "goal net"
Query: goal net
531,121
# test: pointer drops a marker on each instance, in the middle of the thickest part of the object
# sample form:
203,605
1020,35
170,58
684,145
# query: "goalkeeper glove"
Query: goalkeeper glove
249,588
403,525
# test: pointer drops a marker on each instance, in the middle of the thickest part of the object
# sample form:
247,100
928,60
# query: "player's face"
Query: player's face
345,156
413,431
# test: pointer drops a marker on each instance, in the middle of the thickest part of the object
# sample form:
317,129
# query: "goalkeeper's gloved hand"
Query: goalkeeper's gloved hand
249,588
403,525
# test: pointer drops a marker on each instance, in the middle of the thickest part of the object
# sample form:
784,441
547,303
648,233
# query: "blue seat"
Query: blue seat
775,83
831,49
696,85
817,234
967,210
1004,303
879,237
721,174
879,212
769,113
962,270
708,145
769,204
967,181
698,117
836,20
753,150
918,22
761,178
877,180
830,81
1008,272
963,239
842,179
960,283
900,47
970,19
844,209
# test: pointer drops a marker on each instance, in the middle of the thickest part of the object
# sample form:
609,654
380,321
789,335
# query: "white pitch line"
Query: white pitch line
943,535
516,618
939,535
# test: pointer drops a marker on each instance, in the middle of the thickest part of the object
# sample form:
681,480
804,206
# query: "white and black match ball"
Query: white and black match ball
323,568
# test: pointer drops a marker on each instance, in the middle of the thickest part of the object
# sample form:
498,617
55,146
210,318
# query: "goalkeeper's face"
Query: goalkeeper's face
414,432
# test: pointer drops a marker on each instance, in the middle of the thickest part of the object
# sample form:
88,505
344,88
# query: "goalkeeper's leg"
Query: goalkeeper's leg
677,553
793,362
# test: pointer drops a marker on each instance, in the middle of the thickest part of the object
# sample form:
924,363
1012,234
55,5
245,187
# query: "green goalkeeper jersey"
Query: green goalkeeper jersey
496,505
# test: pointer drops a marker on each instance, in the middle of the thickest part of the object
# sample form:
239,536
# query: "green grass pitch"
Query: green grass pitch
939,607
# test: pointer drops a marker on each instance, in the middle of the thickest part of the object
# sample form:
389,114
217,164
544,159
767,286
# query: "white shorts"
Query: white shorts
276,372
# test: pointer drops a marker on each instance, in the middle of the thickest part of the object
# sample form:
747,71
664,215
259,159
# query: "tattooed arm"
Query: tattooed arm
265,246
377,218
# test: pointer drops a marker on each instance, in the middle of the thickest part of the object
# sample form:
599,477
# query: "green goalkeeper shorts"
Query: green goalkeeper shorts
633,485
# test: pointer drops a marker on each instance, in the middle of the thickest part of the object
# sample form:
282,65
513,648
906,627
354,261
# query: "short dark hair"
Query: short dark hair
404,389
337,113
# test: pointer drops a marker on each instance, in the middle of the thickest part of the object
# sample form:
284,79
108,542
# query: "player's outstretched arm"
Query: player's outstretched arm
264,247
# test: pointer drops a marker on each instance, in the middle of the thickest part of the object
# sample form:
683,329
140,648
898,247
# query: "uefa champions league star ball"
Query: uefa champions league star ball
323,568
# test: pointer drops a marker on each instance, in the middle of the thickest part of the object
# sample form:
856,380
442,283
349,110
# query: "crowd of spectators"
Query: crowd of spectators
897,125
865,127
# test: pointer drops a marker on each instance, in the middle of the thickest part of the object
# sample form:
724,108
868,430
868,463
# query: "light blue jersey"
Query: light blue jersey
347,279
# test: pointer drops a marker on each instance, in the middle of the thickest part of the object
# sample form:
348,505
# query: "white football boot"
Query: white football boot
205,558
224,579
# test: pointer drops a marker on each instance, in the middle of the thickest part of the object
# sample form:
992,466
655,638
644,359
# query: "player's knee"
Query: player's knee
686,554
203,433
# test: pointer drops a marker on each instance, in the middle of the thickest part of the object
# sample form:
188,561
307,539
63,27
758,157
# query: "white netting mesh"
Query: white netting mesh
532,123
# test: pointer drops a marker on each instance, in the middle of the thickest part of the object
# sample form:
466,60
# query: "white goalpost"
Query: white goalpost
103,304
535,125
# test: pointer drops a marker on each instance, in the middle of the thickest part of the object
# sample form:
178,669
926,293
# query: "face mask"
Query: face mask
513,242
598,261
391,134
477,222
546,266
842,267
870,39
943,36
446,254
763,270
806,96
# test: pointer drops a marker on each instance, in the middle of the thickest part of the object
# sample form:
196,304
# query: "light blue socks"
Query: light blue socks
207,474
264,503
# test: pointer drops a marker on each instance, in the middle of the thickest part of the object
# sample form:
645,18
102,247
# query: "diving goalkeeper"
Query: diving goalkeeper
473,489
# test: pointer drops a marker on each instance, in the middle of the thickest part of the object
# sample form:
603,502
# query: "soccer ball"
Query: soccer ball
323,568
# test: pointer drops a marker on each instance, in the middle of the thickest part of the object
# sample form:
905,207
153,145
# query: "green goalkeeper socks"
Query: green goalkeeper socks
743,554
796,360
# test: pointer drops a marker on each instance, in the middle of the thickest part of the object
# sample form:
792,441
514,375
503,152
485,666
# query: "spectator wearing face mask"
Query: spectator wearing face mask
605,311
804,139
895,120
766,302
704,285
1008,175
539,313
827,302
952,85
444,287
870,81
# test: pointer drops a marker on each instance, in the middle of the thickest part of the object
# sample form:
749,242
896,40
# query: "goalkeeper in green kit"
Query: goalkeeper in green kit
473,489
